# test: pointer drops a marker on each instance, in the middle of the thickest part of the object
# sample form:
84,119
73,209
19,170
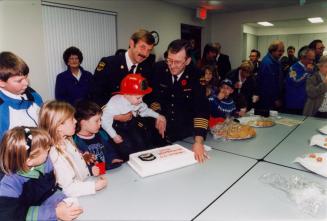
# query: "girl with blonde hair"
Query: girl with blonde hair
57,118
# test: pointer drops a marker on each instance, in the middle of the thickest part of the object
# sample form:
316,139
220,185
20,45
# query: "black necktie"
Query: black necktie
175,80
132,69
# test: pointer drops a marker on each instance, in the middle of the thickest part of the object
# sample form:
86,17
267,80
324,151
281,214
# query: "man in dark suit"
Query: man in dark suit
179,96
223,63
111,70
254,58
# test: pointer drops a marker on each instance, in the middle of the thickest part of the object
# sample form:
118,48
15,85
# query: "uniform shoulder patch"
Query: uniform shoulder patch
293,74
101,66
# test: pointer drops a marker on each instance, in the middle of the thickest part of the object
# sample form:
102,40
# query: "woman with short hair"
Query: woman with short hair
74,83
245,93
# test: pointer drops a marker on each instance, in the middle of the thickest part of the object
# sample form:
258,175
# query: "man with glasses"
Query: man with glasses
270,78
295,83
178,95
318,48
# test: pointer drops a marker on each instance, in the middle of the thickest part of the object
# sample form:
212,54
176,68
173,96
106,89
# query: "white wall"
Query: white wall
1,23
249,29
22,33
228,28
251,42
156,15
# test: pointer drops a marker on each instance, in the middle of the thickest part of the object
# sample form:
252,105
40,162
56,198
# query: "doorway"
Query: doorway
193,34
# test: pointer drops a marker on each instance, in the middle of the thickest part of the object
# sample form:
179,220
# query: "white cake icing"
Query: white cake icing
161,159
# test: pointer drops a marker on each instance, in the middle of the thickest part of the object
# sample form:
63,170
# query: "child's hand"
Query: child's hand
95,171
242,112
67,212
161,125
221,95
117,161
100,183
88,157
118,139
238,85
255,99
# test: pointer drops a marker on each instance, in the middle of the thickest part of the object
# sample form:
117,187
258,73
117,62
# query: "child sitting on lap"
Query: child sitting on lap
127,134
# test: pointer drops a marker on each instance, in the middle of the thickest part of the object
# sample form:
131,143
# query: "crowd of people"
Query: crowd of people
133,103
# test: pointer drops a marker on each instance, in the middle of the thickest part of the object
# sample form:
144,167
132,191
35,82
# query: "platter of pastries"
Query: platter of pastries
257,121
234,131
319,140
315,162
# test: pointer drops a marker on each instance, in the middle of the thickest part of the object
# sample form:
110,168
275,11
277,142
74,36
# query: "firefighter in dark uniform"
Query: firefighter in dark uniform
179,96
111,70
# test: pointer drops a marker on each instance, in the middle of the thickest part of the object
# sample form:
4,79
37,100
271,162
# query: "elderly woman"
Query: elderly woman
74,83
316,87
245,93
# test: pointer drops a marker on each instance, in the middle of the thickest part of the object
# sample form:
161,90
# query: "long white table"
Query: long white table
226,187
297,144
175,195
257,147
251,199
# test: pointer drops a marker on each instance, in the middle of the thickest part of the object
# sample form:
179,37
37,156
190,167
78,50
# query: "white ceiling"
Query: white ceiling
239,5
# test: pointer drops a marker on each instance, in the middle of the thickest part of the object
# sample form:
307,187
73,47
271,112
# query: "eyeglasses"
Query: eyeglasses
177,63
309,59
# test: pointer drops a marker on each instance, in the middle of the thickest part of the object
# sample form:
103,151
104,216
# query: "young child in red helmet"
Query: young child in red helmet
128,135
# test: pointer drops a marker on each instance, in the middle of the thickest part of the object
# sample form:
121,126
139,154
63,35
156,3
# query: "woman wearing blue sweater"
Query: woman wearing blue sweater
74,83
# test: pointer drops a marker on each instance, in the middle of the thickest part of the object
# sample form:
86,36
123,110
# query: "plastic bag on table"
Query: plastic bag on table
220,128
307,195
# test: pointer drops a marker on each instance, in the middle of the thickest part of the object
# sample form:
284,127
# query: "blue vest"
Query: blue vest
6,102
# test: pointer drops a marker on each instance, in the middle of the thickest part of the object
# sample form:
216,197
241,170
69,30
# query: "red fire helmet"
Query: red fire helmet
134,84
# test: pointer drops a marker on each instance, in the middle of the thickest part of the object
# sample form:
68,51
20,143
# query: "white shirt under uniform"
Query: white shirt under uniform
117,105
